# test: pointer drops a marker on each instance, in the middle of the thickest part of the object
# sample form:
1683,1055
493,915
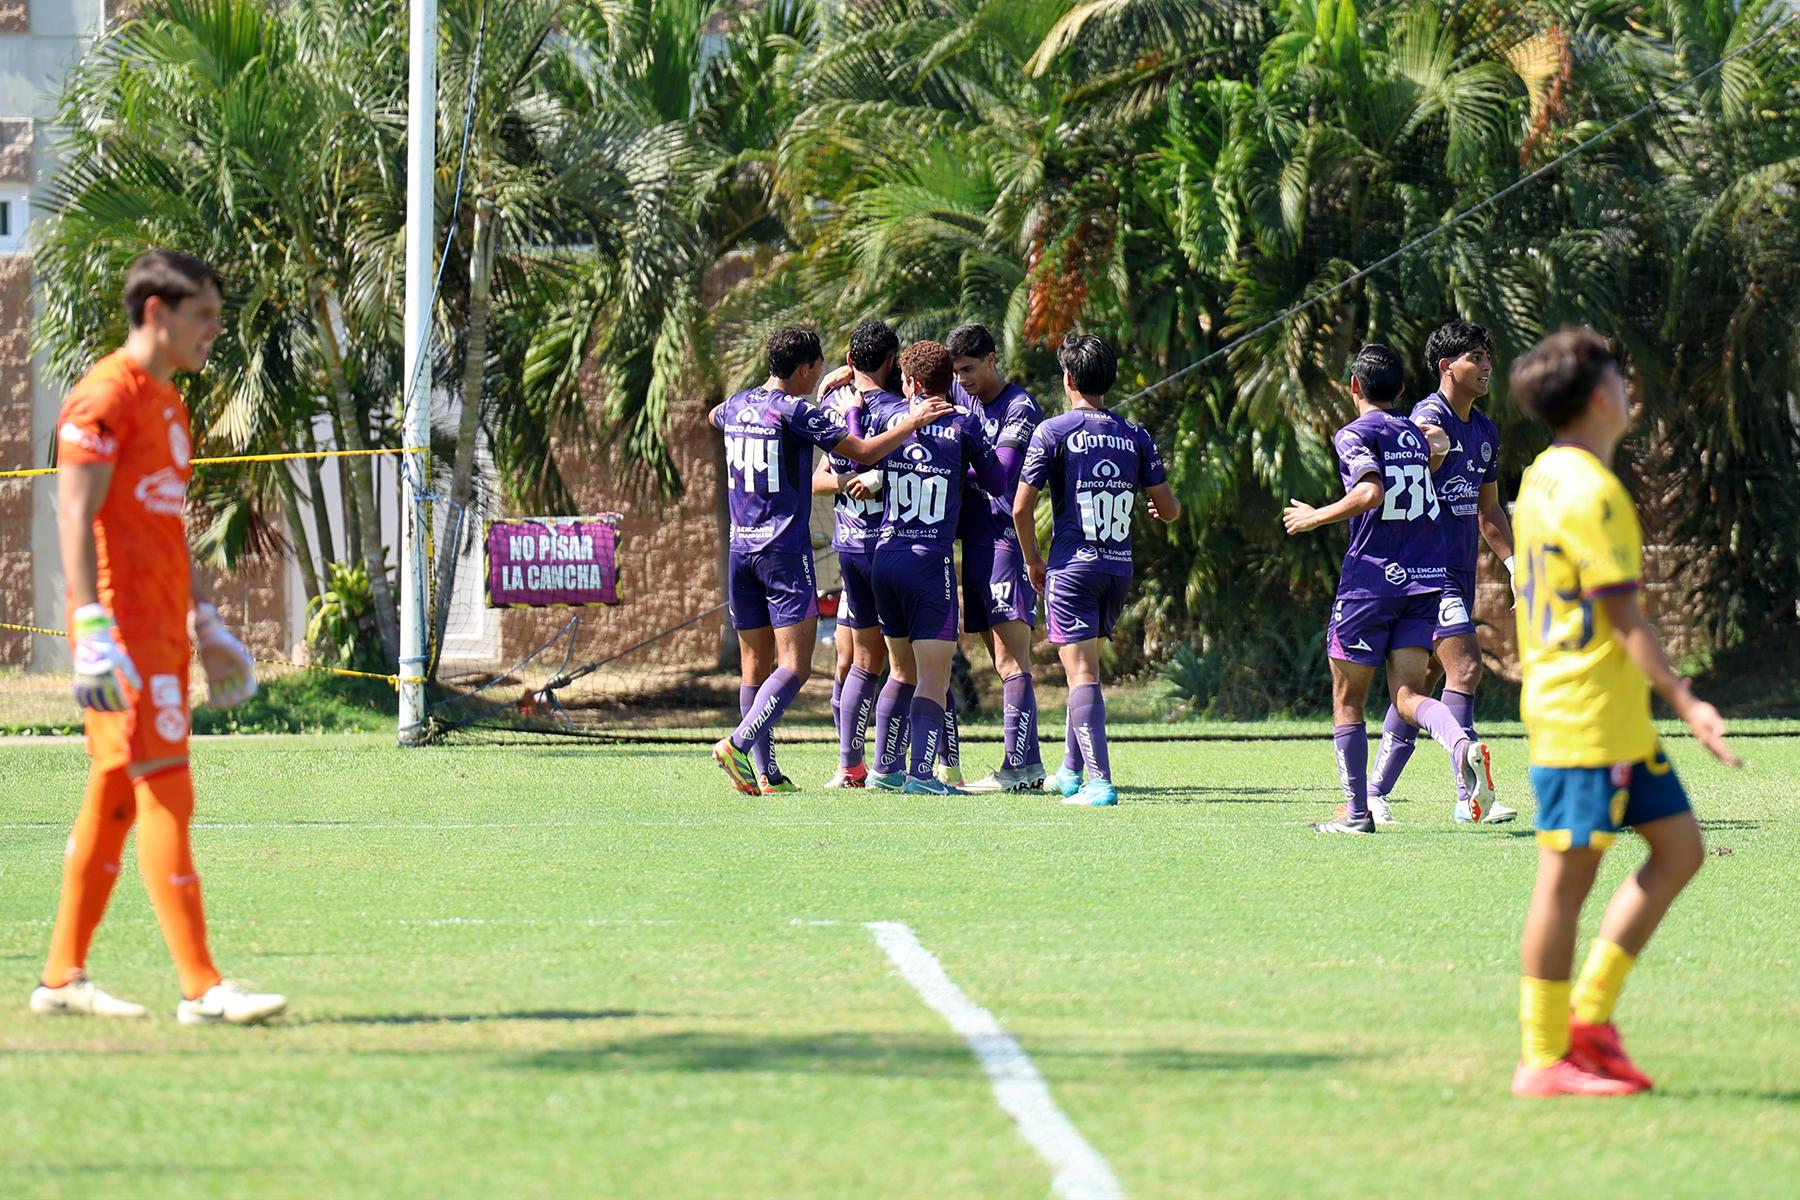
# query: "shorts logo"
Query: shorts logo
1451,610
165,691
178,444
1086,554
1394,573
1106,468
1360,644
1621,775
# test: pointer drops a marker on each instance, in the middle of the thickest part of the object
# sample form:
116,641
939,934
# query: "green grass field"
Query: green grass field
591,971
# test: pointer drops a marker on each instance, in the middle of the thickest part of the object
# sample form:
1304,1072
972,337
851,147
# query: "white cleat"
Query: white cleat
81,998
1011,779
228,1002
1476,767
1380,811
1497,814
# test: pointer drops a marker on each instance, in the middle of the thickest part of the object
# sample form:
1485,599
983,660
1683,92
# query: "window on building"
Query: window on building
14,216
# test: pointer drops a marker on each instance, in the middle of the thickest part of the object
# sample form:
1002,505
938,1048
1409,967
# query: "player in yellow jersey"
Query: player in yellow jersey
1590,661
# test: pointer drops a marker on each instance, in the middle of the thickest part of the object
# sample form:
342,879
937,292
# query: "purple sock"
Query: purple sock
1020,722
892,718
927,736
1398,738
755,730
1353,767
1436,719
756,750
1071,751
1087,715
952,731
837,702
857,704
1462,707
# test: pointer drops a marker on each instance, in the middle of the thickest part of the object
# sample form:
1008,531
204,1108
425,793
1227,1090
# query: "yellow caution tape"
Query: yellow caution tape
249,458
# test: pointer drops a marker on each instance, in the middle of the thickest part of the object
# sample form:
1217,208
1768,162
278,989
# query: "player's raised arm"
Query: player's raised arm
870,451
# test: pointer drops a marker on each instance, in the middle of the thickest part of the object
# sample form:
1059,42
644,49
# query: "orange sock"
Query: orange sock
165,805
90,868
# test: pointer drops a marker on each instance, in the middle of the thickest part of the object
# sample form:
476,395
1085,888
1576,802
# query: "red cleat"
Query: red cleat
1597,1048
1565,1078
850,777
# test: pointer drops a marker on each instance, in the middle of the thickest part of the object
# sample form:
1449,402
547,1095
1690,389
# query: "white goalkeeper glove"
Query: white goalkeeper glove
102,668
230,671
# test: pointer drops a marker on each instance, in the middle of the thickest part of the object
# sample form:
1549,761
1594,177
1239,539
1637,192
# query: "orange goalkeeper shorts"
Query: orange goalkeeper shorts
155,722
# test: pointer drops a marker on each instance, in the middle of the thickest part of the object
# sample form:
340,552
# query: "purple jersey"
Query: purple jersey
1473,461
1009,420
856,524
1093,463
925,477
769,436
1395,548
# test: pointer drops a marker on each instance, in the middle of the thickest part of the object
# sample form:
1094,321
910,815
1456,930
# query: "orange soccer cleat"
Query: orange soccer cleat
1565,1077
1597,1048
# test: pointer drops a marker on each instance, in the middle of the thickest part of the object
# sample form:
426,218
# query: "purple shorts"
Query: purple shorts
1083,602
857,608
995,585
1456,606
771,587
915,592
1362,631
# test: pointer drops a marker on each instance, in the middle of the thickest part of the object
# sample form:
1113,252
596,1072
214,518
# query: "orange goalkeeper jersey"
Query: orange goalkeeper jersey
120,416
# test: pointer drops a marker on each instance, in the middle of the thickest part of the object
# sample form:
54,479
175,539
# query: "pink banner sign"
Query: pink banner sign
552,562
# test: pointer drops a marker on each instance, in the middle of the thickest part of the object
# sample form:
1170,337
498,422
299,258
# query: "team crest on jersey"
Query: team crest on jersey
178,444
1394,573
1487,451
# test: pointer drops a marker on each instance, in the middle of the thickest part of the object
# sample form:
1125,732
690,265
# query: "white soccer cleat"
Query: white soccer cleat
81,998
1380,811
1476,795
228,1002
1497,814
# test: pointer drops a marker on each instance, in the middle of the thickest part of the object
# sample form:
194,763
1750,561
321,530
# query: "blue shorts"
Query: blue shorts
857,611
995,585
915,592
1456,606
1580,808
771,588
1363,630
1081,602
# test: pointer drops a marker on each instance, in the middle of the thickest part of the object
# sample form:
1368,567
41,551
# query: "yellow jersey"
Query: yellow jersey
1585,703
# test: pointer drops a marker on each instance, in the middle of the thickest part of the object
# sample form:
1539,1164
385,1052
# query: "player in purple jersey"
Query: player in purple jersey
856,524
770,432
999,602
1387,596
1094,463
914,576
1468,489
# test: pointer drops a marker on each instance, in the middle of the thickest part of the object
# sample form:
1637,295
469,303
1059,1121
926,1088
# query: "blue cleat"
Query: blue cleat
1095,793
893,781
1063,783
930,787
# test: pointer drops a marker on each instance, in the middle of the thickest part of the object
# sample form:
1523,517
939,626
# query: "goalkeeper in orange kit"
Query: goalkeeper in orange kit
134,603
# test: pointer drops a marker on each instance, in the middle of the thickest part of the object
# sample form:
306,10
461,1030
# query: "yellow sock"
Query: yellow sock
1544,1019
1602,977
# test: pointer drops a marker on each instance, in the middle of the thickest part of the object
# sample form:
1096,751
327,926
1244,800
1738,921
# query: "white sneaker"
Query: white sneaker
1497,814
81,998
1378,808
1476,767
231,1003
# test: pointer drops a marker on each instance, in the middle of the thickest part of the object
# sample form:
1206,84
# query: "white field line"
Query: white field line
1078,1171
427,826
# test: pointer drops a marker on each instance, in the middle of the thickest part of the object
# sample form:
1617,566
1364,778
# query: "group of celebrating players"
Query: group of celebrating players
960,454
927,447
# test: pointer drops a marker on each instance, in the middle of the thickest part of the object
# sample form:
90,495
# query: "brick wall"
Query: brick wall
15,395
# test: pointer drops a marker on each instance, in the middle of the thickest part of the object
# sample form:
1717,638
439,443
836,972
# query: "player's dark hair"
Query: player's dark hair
970,341
929,365
1379,373
791,348
1556,378
1090,362
1452,340
170,276
871,344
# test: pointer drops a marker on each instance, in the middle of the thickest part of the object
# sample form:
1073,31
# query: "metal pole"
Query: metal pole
421,173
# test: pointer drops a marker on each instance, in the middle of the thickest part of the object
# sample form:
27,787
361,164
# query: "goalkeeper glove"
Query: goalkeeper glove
230,672
102,668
